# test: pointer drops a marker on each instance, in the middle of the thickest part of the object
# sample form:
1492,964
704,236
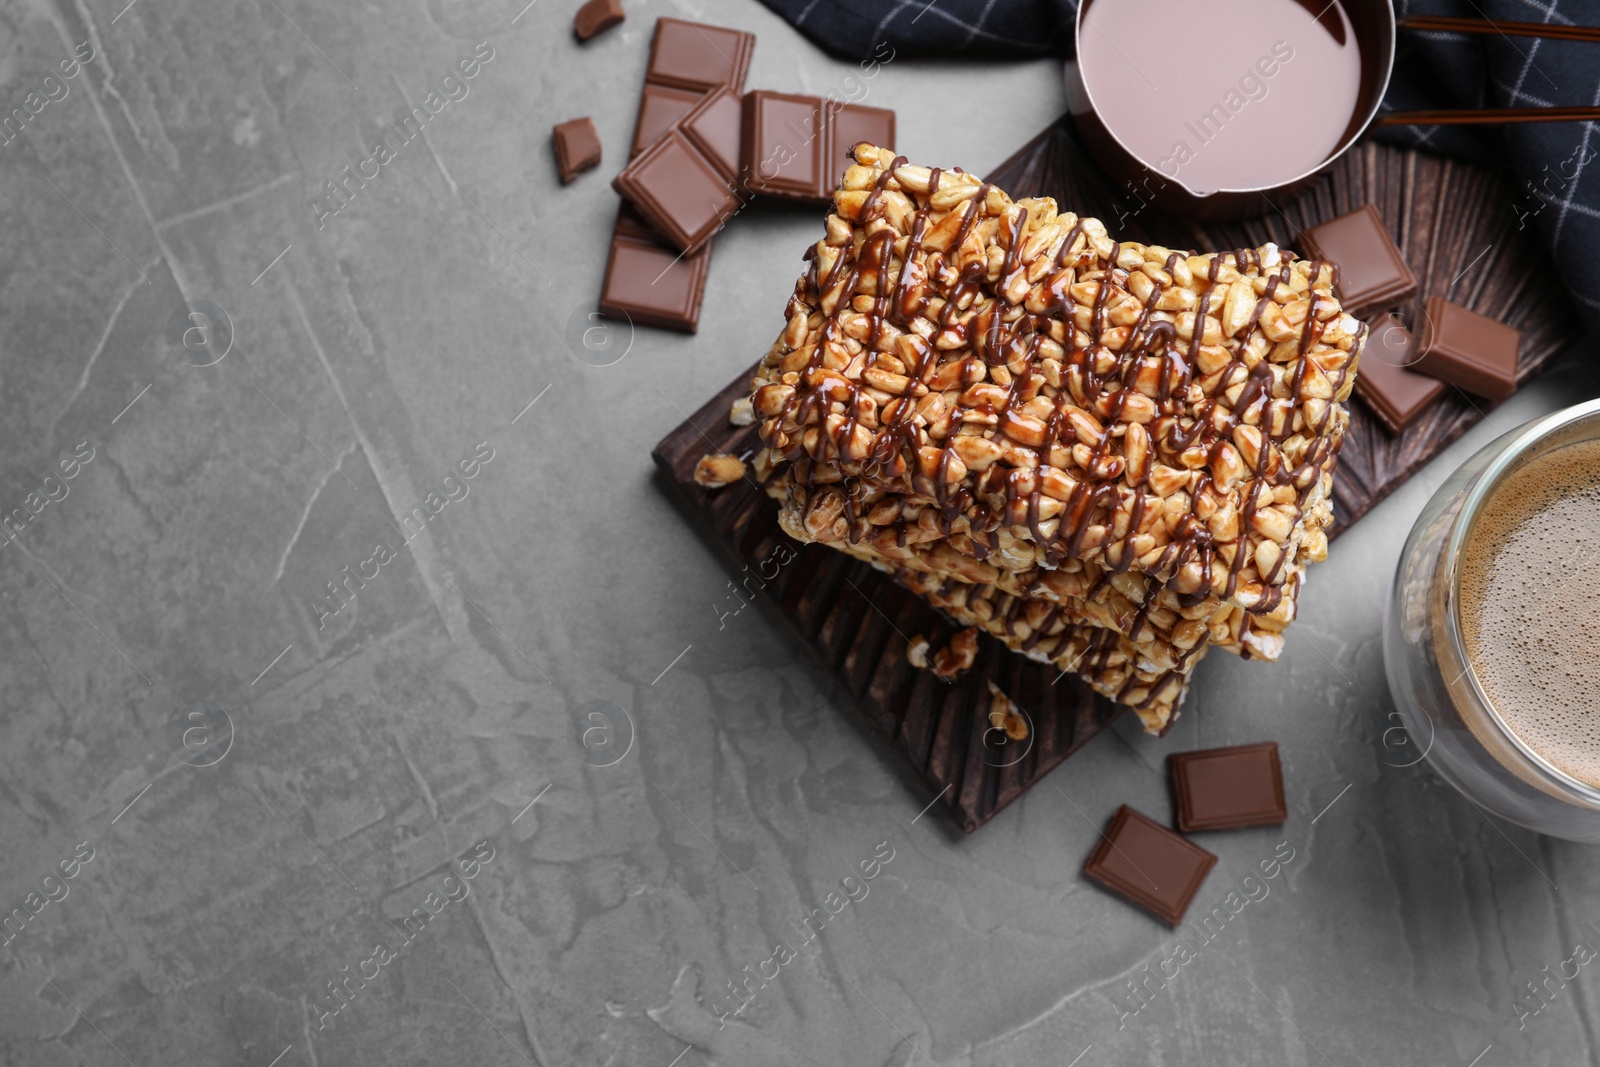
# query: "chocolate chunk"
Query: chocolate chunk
795,146
1225,788
1467,349
650,283
1394,393
1372,275
595,17
683,184
697,57
1148,864
577,148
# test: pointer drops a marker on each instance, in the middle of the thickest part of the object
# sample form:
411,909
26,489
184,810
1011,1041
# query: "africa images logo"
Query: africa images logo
199,733
201,332
410,126
602,733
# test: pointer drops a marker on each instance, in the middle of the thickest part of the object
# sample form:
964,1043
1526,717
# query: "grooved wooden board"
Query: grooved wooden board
858,621
1457,229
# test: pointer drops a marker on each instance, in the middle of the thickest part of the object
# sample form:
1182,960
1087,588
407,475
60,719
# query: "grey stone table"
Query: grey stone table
255,782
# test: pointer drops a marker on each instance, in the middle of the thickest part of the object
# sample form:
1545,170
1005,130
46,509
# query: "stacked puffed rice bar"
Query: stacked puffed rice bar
1020,418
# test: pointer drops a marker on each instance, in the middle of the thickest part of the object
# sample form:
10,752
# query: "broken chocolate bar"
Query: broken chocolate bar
687,61
684,183
795,147
647,279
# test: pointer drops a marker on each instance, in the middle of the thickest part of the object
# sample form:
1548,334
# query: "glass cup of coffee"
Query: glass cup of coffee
1491,640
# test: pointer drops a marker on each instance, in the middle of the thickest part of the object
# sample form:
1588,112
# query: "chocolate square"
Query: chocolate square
1467,349
1226,788
647,280
1371,273
577,147
1393,392
715,127
850,125
697,57
1148,864
781,133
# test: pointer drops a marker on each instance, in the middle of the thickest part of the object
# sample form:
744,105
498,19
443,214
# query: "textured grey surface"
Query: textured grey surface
173,584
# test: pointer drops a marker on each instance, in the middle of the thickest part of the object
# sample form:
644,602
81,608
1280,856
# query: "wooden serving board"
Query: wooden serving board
858,621
1456,227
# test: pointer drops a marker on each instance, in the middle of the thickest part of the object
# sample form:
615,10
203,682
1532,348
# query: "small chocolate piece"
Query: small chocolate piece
649,283
1371,273
1391,390
795,146
683,184
1148,864
1466,349
577,147
596,17
1225,788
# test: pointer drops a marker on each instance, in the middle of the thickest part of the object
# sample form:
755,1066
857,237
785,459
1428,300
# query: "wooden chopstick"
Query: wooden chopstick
1487,115
1452,24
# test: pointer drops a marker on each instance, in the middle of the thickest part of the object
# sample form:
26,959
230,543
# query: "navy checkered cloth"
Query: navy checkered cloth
1556,194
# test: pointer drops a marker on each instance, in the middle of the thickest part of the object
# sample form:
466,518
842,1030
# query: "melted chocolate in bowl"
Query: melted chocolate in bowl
1222,94
1528,615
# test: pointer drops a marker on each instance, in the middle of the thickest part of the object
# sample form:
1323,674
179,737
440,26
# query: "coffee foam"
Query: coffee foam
1529,611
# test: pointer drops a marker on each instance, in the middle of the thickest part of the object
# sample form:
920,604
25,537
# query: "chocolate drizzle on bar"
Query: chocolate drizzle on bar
1099,366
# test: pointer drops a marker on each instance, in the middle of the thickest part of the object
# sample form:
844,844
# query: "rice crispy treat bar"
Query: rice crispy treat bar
1161,623
1151,676
1043,393
1107,661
